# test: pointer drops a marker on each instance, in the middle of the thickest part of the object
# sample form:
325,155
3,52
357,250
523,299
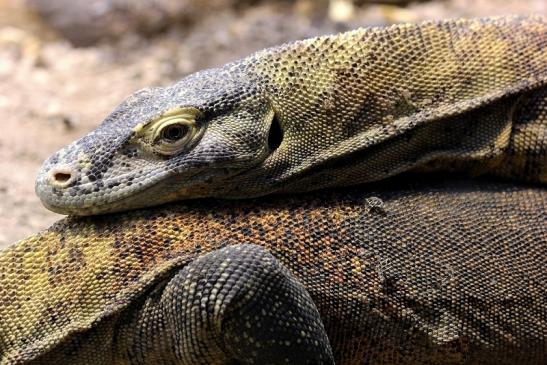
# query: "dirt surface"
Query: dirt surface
52,92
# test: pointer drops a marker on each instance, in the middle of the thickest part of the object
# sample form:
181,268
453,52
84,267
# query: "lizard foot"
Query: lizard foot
239,305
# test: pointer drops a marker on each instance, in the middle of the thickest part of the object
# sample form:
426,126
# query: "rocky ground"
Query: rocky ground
65,64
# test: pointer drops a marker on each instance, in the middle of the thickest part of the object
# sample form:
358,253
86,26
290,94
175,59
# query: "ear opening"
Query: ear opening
275,134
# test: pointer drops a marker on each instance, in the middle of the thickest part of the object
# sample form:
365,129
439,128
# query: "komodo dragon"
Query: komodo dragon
466,95
443,273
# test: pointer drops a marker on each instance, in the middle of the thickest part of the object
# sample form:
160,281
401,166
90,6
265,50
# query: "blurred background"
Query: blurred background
64,64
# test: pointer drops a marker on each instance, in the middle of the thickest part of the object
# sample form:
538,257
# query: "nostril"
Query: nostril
61,177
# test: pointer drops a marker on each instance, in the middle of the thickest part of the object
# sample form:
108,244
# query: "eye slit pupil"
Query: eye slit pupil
174,132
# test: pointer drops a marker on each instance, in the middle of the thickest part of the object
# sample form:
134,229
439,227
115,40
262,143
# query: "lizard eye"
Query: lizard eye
172,133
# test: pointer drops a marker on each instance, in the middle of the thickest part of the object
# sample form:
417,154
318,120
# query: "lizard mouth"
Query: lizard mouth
109,200
161,188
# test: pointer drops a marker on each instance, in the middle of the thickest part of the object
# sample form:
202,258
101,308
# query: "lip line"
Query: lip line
100,204
99,208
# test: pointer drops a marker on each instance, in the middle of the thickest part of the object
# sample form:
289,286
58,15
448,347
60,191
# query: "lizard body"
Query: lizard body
436,273
330,111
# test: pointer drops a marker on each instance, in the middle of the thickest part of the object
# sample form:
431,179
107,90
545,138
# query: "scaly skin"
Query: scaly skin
331,111
440,273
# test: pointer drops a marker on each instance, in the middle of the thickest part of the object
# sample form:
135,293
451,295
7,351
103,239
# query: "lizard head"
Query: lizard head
161,145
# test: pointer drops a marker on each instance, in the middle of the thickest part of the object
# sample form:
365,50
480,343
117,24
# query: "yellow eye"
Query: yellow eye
172,133
175,131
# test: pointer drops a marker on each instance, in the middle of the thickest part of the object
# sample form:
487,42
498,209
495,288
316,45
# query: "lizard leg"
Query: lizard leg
239,305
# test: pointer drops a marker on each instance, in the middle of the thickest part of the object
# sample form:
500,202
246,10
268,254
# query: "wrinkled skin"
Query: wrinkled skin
330,111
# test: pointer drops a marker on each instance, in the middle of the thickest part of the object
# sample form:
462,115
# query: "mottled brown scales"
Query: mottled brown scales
331,111
436,273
